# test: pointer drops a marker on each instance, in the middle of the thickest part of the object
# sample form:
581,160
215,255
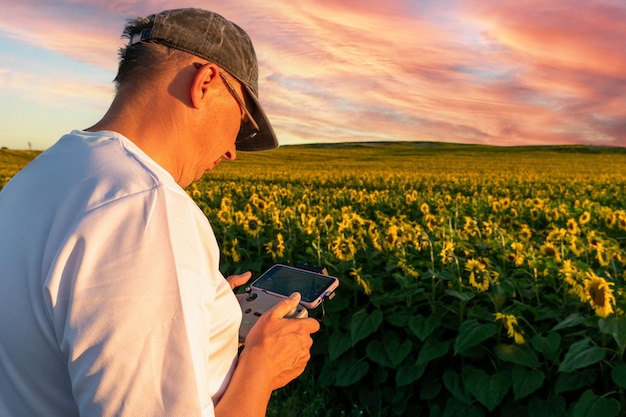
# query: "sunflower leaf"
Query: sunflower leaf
581,355
548,345
521,355
364,324
616,327
572,320
471,333
618,375
433,349
590,405
350,371
422,326
488,390
525,381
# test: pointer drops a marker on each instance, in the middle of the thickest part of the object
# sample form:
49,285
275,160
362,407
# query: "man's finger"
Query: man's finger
285,306
238,280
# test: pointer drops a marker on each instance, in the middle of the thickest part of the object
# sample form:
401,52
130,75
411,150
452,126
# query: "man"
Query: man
113,302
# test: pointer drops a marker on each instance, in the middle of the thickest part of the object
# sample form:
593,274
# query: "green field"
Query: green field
475,280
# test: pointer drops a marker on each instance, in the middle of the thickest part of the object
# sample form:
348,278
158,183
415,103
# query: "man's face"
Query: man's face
224,118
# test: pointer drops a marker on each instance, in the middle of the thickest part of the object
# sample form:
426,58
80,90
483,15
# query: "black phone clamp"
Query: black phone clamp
313,268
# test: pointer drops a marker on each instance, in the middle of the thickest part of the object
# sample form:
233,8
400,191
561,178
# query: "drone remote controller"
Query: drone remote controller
258,302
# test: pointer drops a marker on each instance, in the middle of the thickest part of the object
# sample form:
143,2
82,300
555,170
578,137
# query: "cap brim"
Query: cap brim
265,139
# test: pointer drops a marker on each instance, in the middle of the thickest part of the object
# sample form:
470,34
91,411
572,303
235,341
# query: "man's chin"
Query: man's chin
215,164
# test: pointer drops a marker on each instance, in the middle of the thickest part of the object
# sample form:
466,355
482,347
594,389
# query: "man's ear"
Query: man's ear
205,77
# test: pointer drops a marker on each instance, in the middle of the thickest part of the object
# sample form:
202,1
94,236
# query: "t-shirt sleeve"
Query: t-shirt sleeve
134,296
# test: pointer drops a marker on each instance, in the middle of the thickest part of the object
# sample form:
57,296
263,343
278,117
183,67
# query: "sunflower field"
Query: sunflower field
475,280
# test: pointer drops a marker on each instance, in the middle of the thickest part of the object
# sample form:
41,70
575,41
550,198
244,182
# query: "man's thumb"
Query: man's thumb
286,305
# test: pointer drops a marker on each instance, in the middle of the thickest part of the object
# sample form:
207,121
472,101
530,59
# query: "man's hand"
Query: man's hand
281,345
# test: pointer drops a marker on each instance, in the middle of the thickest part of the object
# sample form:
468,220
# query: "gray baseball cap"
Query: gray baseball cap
210,36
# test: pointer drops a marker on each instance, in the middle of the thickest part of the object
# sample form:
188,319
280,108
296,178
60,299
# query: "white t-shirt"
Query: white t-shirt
112,302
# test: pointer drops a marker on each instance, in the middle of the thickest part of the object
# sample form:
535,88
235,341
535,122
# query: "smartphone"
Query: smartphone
282,281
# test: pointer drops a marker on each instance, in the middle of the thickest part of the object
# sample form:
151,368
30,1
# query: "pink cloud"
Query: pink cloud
489,72
574,34
571,60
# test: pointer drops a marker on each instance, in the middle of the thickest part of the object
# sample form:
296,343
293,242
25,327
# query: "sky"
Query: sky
507,73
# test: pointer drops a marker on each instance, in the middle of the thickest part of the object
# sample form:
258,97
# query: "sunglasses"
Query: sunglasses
249,127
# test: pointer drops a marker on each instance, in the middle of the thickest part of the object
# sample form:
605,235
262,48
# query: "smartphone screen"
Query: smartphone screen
285,280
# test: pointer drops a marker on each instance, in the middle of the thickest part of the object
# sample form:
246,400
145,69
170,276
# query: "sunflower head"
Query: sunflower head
478,274
252,225
509,322
584,218
572,226
599,294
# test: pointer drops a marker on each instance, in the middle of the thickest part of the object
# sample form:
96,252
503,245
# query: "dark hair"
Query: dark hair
144,61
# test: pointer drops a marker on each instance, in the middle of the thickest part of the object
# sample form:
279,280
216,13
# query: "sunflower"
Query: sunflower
231,248
534,213
411,196
489,227
479,276
610,220
193,191
526,232
556,235
549,250
351,222
431,222
391,236
621,220
328,222
599,294
309,223
571,274
538,202
361,282
343,247
276,248
278,223
252,225
576,246
258,202
374,235
584,218
471,226
225,216
447,253
572,226
602,257
594,241
289,213
416,233
510,324
408,269
519,256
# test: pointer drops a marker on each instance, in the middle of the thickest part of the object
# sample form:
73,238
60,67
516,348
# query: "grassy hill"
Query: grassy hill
12,161
429,158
